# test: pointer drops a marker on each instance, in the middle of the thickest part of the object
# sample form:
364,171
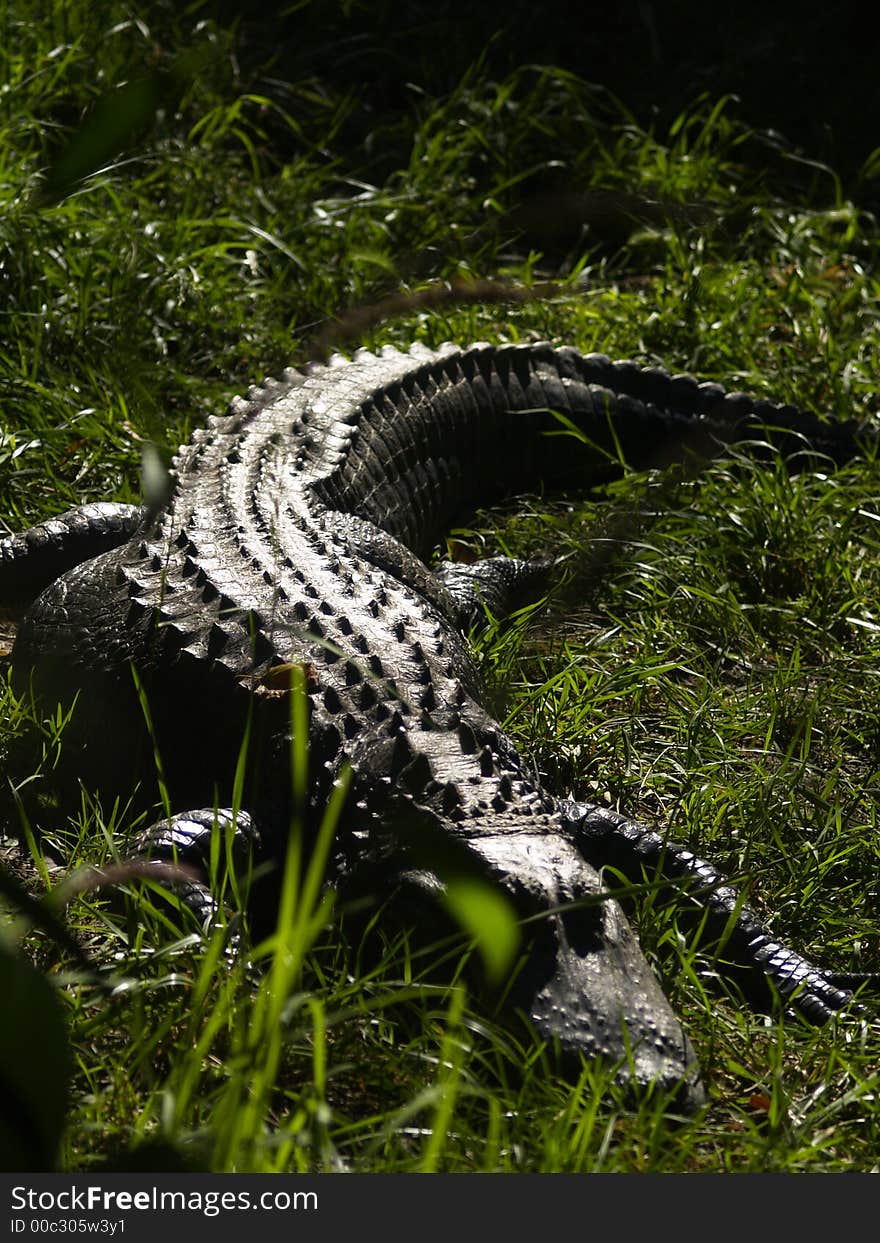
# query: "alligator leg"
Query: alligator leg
32,559
187,839
610,840
583,981
497,585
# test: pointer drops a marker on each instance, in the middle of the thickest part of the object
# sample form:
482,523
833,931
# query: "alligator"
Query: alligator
297,537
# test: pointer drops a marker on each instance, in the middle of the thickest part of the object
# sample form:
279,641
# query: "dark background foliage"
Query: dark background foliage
807,70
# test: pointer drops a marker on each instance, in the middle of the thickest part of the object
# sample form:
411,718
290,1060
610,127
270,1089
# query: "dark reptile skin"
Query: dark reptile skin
296,535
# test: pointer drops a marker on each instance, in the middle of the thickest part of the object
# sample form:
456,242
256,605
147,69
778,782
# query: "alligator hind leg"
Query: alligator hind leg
495,585
610,840
31,560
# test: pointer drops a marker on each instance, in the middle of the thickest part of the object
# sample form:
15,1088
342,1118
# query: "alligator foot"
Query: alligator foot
757,957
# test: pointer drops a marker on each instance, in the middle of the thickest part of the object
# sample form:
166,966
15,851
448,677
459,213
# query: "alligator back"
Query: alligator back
296,535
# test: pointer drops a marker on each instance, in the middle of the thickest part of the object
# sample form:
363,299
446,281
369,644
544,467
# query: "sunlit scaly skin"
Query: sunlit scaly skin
296,535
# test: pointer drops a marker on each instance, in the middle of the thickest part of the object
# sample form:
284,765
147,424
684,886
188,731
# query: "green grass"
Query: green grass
710,665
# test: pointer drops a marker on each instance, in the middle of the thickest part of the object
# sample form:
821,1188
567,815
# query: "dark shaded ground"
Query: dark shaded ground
808,70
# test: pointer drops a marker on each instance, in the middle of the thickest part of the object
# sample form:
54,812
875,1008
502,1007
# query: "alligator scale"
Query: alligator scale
296,536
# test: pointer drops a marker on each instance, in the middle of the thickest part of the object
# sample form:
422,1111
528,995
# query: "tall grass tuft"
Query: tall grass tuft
709,663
